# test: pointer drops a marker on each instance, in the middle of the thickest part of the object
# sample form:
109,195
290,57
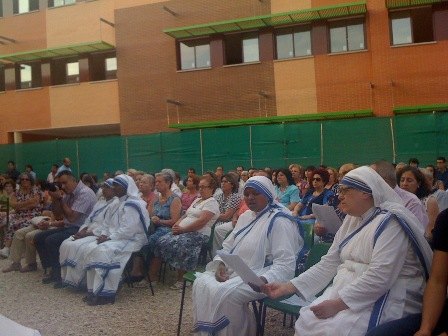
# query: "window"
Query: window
411,26
111,67
194,54
72,72
2,78
26,76
25,6
293,42
242,48
347,36
59,3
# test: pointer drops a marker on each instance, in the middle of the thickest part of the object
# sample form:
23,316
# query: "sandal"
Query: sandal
29,268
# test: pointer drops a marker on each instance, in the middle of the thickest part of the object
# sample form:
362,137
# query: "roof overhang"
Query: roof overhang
276,119
272,20
420,108
391,4
75,131
63,51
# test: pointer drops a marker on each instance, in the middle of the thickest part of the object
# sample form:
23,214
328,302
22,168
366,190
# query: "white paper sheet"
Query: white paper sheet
297,301
327,217
240,267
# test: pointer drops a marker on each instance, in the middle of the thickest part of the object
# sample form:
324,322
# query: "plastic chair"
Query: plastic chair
191,277
316,253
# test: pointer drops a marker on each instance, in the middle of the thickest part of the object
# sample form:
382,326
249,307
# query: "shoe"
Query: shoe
29,268
178,285
49,279
87,298
134,279
12,268
101,300
4,252
59,284
145,284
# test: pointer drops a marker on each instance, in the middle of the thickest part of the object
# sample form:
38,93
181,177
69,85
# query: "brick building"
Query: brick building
84,68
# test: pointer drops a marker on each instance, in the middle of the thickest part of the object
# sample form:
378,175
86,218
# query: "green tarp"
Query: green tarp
331,142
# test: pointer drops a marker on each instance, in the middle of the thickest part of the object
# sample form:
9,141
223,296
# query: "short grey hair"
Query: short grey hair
149,177
167,177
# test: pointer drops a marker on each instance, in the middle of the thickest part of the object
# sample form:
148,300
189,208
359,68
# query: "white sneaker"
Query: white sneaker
4,252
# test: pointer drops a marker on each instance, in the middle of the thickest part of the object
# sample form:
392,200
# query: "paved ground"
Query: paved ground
61,312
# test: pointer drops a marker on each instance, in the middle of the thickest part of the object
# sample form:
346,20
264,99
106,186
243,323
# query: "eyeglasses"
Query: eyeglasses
318,179
203,187
342,190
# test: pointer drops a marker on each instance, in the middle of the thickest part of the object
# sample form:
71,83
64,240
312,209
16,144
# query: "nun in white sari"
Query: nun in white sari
267,239
73,250
379,263
127,233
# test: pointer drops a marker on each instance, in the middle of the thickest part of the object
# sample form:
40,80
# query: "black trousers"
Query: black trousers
47,245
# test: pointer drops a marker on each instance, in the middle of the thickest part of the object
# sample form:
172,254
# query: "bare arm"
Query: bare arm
435,293
24,205
432,209
297,209
175,209
61,209
198,224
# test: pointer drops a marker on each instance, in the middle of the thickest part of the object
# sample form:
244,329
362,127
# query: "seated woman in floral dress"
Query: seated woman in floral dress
181,247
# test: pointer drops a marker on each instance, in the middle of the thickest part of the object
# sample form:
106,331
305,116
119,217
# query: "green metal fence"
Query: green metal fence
331,142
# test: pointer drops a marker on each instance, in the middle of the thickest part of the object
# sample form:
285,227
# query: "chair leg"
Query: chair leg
263,319
150,285
284,319
257,313
179,324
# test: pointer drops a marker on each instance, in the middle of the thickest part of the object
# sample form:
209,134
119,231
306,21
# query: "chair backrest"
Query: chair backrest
316,253
308,233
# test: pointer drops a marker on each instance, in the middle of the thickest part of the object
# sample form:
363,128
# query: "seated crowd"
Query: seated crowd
376,278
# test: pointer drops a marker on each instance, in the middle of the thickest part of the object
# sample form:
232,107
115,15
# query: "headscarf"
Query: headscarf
134,200
384,197
108,183
264,186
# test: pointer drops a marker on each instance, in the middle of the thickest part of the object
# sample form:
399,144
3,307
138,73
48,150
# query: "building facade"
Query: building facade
84,68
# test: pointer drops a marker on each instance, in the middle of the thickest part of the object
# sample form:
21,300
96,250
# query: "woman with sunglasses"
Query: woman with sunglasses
317,194
26,204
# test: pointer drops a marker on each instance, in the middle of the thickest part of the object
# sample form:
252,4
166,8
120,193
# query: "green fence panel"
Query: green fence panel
181,151
67,148
227,147
361,141
303,143
99,155
7,153
41,155
268,146
417,136
442,135
145,152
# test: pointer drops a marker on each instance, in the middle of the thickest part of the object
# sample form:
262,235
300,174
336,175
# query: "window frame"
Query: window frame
345,23
292,30
410,13
51,3
247,35
198,42
72,79
36,75
33,6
